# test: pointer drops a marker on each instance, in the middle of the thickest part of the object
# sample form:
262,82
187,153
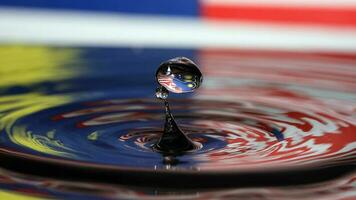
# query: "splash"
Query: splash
177,75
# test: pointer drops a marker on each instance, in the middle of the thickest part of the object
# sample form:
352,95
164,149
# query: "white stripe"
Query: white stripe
291,3
94,29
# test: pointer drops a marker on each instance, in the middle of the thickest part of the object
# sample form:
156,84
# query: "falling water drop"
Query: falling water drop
178,75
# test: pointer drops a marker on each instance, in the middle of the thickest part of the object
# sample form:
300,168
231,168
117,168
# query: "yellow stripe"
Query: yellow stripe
26,65
21,65
5,195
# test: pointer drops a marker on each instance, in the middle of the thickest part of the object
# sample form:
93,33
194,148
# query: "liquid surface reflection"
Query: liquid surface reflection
258,112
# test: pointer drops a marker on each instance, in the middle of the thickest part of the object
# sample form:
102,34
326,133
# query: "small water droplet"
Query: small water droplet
179,75
162,93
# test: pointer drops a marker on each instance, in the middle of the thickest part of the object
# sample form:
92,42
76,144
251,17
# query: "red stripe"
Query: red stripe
349,56
290,15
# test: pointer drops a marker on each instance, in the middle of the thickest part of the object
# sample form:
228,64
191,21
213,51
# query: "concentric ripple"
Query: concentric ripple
255,111
235,135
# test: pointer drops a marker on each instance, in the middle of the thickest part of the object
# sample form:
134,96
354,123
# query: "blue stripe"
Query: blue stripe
160,7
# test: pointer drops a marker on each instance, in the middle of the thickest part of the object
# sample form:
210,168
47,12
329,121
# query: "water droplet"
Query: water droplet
179,75
162,93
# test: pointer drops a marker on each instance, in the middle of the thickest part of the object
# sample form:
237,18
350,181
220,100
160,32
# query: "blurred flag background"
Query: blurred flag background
316,25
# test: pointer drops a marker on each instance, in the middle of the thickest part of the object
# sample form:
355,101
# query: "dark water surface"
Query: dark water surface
270,125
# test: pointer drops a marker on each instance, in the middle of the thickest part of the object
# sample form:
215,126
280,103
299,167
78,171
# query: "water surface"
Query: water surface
256,112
